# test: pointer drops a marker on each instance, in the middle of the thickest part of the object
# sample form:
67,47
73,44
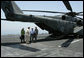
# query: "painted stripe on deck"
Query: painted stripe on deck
75,41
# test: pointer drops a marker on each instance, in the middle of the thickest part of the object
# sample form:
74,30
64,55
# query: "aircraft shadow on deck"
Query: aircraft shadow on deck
68,42
65,44
48,38
22,47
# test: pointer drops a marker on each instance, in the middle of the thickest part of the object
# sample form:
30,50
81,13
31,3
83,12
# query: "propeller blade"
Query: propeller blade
80,18
80,15
80,12
43,11
67,4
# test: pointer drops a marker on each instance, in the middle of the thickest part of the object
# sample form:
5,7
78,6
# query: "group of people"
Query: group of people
29,36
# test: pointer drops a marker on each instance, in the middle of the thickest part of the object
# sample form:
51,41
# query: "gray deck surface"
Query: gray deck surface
44,47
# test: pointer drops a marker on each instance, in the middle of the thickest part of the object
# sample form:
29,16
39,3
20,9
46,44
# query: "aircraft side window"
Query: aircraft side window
63,17
7,9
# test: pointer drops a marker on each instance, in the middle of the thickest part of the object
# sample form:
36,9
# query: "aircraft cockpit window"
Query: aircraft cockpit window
63,17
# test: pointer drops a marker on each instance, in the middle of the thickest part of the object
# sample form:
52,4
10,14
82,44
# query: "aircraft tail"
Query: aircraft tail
10,7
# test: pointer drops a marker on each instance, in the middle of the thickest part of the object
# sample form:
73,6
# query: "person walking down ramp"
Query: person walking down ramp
27,35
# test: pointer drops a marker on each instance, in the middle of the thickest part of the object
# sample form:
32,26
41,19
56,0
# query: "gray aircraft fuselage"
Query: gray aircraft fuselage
53,24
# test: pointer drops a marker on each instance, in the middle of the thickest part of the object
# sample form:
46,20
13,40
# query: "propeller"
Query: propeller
80,14
69,13
67,4
43,11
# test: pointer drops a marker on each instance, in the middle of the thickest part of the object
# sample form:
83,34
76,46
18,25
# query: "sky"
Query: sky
9,27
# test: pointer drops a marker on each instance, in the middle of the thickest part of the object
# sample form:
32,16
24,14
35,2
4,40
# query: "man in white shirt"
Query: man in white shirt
27,35
31,35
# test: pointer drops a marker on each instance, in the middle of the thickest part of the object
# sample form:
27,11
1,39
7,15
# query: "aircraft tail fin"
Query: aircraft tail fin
10,7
